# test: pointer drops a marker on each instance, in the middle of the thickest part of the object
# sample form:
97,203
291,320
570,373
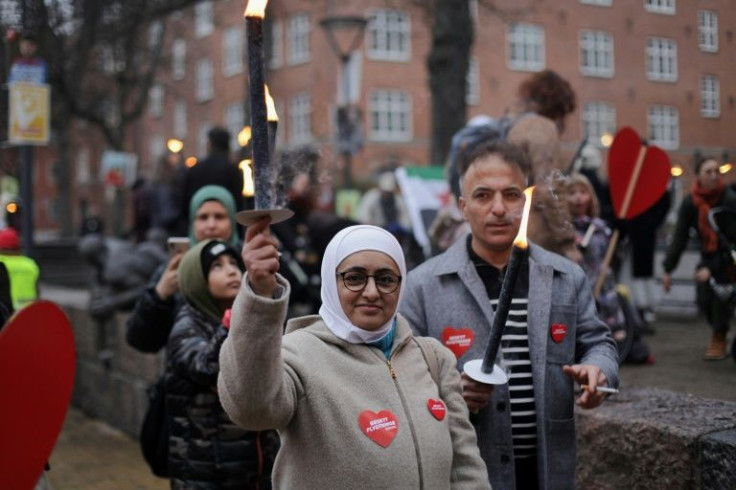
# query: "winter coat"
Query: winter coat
445,295
206,449
337,405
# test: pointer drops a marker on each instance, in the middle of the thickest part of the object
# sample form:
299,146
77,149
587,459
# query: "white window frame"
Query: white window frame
600,3
180,119
660,6
204,23
276,55
234,118
390,115
232,51
710,96
300,119
298,39
156,100
156,148
83,169
708,31
202,138
178,59
526,47
473,8
388,35
155,33
204,90
661,54
663,124
598,118
472,94
596,54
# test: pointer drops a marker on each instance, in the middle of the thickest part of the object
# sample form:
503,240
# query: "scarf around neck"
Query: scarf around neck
347,242
704,200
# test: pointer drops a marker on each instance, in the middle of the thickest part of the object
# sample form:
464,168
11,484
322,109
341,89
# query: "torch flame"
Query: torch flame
248,185
244,136
256,8
270,107
520,240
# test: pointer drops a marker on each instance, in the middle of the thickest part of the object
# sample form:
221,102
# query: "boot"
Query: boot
717,348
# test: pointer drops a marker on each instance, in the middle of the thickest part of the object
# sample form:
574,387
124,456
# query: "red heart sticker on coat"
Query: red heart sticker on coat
558,331
458,340
380,427
437,408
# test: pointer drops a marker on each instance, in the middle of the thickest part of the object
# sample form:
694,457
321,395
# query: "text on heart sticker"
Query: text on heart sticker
437,408
558,331
380,427
458,340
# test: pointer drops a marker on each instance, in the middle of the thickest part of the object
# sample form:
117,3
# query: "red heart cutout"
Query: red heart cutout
653,179
437,408
458,340
37,362
380,427
558,332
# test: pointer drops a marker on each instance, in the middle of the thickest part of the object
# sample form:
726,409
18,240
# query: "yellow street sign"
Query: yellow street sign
29,114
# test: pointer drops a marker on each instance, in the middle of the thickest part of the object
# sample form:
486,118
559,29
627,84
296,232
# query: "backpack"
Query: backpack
154,436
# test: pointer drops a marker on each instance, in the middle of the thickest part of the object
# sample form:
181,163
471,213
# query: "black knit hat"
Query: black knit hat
213,250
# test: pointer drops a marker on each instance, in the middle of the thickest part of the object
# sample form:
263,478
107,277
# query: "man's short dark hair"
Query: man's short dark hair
219,139
510,153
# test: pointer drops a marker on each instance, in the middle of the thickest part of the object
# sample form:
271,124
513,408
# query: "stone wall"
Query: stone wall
640,439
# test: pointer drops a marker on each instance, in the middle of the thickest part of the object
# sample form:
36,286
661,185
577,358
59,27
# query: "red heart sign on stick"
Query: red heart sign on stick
37,362
380,427
641,187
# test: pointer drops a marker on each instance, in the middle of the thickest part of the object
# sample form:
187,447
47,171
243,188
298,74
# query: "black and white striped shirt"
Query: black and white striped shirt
515,352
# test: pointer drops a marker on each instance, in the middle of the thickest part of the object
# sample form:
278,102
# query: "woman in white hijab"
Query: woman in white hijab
357,400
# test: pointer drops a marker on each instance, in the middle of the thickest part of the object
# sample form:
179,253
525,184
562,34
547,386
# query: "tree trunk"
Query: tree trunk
63,172
448,62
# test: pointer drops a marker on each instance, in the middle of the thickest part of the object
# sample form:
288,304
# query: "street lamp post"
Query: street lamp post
352,29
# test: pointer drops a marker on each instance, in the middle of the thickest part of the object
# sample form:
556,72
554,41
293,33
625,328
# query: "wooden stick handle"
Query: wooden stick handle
632,182
606,262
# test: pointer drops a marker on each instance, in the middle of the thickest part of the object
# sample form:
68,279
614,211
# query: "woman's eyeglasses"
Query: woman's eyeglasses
355,281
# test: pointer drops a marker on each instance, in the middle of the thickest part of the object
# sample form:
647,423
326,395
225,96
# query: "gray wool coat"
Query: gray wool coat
446,291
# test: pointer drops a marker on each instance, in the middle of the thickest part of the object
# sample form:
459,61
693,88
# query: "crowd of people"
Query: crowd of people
364,381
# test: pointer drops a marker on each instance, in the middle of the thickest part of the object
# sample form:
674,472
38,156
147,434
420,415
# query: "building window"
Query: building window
710,96
83,171
661,60
390,115
599,118
300,119
180,119
660,6
155,34
298,39
204,90
664,127
156,149
202,139
605,3
276,53
232,51
596,54
526,47
708,31
389,34
203,19
156,100
234,121
178,59
473,8
472,95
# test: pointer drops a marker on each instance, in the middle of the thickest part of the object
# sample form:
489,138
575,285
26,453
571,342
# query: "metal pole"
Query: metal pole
345,61
26,195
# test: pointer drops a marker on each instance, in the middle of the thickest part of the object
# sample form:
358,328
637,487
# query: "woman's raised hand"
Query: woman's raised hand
261,257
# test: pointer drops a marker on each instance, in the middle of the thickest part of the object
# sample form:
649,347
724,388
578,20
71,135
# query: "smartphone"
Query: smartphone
177,244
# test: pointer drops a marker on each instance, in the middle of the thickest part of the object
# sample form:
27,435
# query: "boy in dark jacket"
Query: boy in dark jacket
206,450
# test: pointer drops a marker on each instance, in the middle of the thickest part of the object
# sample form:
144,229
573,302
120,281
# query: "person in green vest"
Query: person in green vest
22,271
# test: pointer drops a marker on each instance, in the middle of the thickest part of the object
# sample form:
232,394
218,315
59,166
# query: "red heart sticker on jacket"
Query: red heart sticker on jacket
437,408
380,427
558,331
458,340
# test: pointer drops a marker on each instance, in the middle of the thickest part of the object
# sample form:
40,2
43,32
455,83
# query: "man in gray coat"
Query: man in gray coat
552,340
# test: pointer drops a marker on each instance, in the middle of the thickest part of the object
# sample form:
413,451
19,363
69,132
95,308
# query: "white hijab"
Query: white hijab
347,242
